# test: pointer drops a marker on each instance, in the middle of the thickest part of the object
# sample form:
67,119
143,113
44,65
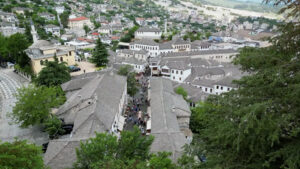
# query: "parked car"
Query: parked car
74,68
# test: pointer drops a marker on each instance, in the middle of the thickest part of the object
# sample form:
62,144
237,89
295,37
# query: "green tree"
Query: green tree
53,126
131,151
34,104
16,44
180,90
131,84
54,74
20,154
125,70
100,54
257,125
86,29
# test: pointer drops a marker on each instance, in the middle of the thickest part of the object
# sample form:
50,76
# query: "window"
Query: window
181,72
173,77
210,90
172,71
180,79
221,87
61,59
228,89
176,71
70,53
217,87
206,89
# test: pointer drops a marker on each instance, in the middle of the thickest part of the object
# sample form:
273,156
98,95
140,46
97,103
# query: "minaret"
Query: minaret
34,33
165,26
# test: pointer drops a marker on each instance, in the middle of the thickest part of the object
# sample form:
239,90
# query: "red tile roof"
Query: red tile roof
95,33
79,19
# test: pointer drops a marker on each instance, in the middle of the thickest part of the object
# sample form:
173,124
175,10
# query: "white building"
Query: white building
80,22
146,32
53,29
47,16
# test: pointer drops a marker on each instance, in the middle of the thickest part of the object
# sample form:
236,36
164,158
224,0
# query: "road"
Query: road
9,83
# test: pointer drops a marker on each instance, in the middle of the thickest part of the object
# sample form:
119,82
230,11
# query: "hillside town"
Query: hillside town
145,64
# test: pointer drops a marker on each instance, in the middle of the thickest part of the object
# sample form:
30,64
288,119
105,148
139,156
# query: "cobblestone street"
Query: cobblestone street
9,83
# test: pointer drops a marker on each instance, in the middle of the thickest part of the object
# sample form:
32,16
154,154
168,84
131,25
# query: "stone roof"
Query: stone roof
61,153
143,41
165,45
202,52
227,81
40,43
104,92
164,124
51,26
148,29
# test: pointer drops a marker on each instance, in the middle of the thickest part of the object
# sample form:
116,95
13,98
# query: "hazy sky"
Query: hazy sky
258,1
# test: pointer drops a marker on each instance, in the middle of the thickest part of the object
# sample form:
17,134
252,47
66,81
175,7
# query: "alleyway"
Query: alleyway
137,107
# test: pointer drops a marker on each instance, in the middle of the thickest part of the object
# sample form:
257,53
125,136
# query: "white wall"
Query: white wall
179,75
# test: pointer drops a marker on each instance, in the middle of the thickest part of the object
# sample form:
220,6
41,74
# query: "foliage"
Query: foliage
130,151
86,29
20,154
127,37
64,18
131,84
125,70
180,90
100,54
12,49
53,74
34,104
53,126
256,126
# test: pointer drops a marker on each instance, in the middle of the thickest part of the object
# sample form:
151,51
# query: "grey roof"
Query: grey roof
130,60
176,63
51,26
104,90
61,153
35,50
194,94
148,29
40,43
227,81
180,41
164,124
203,52
165,45
149,42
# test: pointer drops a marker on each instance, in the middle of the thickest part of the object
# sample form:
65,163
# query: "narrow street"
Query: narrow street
137,106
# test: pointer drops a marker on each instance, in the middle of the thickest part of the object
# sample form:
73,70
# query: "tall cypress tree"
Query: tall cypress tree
100,54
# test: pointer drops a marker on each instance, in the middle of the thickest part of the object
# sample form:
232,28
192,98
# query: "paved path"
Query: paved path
9,83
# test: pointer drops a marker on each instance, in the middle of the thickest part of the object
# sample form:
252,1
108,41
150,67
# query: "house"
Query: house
146,44
176,69
95,103
53,29
8,29
181,45
137,59
8,17
20,10
79,22
169,118
220,55
147,32
105,29
47,16
42,51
